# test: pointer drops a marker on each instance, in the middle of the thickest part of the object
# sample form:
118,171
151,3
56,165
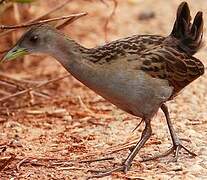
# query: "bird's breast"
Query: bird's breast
133,91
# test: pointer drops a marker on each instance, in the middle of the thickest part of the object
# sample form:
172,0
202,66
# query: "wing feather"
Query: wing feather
167,63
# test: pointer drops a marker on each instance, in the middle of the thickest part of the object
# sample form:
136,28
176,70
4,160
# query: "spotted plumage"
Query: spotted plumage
161,57
155,55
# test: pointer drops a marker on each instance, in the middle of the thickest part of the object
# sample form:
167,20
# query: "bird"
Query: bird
138,74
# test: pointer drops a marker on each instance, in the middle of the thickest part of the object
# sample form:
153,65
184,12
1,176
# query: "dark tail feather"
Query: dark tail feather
189,35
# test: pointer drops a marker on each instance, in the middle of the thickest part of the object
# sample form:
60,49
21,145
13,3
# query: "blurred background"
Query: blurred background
49,121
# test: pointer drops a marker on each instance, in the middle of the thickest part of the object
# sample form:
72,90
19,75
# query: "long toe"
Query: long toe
158,156
175,149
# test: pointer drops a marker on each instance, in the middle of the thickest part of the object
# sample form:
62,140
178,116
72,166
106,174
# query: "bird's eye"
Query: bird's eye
34,38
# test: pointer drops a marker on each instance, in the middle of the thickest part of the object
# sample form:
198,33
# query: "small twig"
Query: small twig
69,21
72,168
96,160
38,164
127,146
4,51
105,3
4,165
11,77
50,12
42,22
84,106
21,162
34,88
111,150
15,84
40,17
2,92
108,20
6,93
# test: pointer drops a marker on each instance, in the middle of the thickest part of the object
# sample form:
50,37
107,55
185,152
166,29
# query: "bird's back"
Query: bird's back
155,55
168,58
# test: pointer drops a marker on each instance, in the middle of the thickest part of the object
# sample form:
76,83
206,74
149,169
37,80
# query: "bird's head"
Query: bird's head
37,39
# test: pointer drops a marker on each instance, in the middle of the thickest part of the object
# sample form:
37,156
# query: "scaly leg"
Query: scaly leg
177,145
127,163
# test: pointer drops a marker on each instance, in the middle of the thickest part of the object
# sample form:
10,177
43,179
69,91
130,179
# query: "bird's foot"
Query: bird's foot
177,146
124,168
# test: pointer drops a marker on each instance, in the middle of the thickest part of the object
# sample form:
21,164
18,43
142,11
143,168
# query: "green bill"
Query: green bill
14,53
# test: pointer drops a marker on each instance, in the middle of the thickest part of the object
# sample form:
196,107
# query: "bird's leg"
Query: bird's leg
127,163
177,145
145,136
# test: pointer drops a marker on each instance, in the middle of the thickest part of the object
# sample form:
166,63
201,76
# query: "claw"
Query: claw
177,145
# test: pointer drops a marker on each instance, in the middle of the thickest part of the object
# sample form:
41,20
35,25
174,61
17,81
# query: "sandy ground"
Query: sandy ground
47,133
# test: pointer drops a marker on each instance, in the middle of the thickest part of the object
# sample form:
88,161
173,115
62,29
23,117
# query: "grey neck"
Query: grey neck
75,59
